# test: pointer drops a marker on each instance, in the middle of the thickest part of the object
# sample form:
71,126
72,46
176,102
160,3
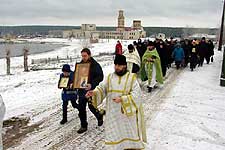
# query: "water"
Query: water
16,49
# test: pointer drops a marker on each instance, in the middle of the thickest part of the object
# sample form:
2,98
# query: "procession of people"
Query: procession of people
123,115
141,61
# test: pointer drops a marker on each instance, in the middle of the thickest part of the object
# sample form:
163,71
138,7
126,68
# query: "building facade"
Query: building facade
124,33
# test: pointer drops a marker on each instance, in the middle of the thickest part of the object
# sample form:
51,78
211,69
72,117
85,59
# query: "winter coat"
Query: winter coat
193,56
178,53
68,93
163,58
187,50
95,77
211,48
118,49
203,49
95,73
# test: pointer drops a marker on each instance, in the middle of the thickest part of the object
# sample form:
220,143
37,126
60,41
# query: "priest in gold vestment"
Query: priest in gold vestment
124,120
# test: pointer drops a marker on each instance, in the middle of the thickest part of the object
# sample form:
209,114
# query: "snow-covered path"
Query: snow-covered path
193,115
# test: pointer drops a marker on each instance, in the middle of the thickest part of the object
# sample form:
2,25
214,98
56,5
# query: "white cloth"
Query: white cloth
124,122
2,113
132,58
153,80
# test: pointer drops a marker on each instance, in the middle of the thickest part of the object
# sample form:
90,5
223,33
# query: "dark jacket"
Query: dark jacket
68,93
202,49
95,73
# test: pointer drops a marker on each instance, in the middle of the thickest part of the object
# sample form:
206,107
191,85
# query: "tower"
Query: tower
137,24
120,21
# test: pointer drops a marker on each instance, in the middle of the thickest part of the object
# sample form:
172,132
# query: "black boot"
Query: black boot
63,121
100,120
64,109
82,130
149,89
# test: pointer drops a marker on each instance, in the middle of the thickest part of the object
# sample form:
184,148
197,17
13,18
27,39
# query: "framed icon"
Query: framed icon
81,75
63,83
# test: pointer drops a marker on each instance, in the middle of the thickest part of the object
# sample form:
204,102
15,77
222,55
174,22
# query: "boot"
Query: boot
63,121
149,89
100,120
82,130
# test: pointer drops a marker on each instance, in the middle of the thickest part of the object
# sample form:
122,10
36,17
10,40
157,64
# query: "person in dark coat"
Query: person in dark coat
193,55
161,48
141,48
68,94
95,77
211,51
202,51
187,49
170,47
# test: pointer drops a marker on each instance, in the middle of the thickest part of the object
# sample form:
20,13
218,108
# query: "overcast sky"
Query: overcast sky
172,13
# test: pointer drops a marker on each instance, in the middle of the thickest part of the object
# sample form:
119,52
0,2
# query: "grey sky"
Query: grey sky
192,13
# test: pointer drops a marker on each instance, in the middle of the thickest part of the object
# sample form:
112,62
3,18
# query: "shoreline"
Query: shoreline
34,47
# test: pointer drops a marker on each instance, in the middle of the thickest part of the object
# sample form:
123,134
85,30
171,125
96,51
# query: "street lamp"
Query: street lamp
222,77
221,30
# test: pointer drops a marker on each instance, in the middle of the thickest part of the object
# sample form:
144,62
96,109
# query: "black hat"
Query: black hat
66,68
130,47
120,60
150,43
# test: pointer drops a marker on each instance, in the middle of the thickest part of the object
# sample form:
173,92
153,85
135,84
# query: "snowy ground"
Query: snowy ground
192,117
186,113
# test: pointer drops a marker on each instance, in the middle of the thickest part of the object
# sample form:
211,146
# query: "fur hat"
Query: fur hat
150,43
130,47
66,68
120,60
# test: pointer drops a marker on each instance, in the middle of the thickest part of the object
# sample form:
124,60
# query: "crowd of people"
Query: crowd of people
183,52
141,61
124,116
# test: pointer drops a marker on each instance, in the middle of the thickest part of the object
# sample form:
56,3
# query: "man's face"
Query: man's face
120,69
66,74
85,57
150,47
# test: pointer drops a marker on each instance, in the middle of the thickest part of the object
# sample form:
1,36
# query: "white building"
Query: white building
88,31
135,32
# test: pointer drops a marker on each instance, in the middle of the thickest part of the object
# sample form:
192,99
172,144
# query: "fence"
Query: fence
54,60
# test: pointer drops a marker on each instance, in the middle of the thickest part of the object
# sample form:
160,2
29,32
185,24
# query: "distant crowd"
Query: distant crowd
151,59
181,52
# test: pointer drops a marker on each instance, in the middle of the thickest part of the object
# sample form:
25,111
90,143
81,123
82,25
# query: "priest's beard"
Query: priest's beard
121,72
